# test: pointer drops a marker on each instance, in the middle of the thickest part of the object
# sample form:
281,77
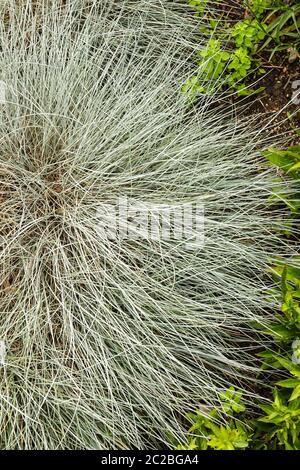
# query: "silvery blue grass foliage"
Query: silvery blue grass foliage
109,343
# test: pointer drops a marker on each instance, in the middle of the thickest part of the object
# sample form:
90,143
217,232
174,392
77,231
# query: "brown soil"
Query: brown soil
275,102
276,99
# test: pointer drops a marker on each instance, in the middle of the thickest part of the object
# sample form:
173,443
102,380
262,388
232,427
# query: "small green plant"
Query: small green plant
257,7
278,426
239,66
205,433
217,68
282,417
288,165
288,160
283,29
199,6
286,326
280,20
268,24
248,33
212,64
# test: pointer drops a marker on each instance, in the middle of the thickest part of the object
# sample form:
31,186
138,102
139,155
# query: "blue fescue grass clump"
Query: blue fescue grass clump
110,342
